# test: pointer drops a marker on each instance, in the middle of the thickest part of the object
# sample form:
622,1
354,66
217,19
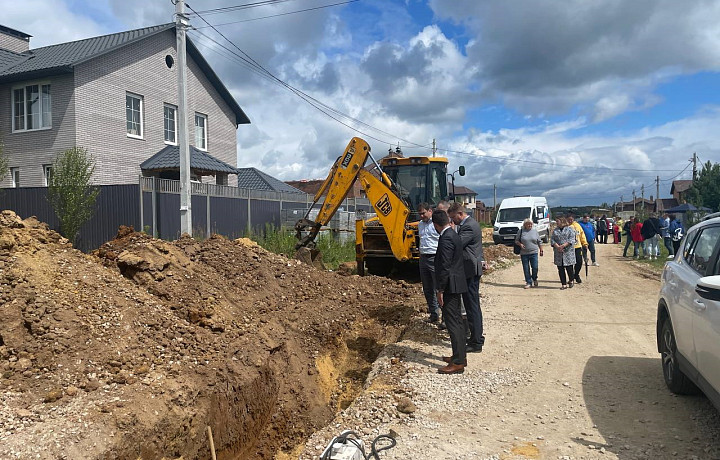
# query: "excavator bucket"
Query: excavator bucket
310,257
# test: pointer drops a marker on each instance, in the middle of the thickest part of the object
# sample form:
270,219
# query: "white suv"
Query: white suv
688,321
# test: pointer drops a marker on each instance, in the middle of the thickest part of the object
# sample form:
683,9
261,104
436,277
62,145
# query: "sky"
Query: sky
582,102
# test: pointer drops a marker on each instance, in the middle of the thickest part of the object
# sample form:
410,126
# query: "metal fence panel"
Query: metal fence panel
228,216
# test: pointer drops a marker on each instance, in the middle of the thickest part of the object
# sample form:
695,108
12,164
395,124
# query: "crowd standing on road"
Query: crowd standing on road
528,239
563,242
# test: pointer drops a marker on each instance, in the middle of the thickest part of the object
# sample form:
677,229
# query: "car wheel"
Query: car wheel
676,381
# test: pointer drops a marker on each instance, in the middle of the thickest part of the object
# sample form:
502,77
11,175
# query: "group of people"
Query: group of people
451,264
570,240
646,235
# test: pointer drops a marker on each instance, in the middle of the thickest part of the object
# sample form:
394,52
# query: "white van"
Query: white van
512,213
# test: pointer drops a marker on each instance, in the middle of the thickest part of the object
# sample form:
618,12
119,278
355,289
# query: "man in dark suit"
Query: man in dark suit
450,277
473,262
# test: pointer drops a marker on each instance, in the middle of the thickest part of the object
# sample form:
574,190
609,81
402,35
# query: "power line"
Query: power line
280,14
245,6
256,67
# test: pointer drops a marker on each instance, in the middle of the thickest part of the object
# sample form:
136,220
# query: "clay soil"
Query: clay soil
133,351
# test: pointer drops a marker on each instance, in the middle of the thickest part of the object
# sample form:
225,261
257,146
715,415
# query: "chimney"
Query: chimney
14,40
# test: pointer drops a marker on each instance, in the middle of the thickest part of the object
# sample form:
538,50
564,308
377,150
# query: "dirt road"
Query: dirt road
565,374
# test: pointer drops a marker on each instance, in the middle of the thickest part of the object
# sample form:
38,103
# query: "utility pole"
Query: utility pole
642,194
622,204
657,193
694,162
634,200
434,150
181,24
494,197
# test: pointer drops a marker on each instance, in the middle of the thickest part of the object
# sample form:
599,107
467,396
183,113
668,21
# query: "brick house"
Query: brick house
115,95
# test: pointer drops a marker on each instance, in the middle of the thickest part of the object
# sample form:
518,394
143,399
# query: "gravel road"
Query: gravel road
565,374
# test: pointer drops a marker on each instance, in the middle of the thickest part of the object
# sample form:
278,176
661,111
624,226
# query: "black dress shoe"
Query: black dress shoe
473,348
578,280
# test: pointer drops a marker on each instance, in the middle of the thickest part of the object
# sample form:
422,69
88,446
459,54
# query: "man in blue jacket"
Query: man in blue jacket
589,230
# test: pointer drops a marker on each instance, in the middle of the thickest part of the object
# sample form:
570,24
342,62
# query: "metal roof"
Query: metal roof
257,180
63,57
169,158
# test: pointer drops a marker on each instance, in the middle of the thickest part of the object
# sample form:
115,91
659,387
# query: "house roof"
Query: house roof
680,186
14,33
202,162
462,190
63,57
257,180
666,203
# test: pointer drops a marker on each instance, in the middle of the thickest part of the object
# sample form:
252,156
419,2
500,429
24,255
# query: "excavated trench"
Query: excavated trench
341,373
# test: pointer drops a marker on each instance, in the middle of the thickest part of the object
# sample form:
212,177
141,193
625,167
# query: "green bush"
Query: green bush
282,241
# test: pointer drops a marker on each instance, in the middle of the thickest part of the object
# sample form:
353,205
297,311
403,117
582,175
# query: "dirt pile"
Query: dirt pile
133,351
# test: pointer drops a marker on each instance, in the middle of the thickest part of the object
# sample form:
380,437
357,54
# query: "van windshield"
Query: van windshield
513,214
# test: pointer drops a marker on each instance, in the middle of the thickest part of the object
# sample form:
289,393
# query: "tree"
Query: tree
705,190
69,190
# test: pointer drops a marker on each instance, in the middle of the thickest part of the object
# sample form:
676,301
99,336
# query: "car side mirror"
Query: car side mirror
461,170
709,288
535,219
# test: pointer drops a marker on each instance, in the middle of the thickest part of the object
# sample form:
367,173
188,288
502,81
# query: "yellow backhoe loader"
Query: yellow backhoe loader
394,188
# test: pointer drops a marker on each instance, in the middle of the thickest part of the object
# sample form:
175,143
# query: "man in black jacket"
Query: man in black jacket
473,262
650,233
450,277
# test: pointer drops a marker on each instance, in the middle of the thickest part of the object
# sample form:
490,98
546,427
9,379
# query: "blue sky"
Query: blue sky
581,102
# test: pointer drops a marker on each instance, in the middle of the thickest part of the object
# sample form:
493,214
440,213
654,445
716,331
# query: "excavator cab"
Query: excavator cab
418,179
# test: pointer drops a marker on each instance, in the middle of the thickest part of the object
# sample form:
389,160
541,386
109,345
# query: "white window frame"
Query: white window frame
142,115
47,171
175,128
41,105
204,145
15,177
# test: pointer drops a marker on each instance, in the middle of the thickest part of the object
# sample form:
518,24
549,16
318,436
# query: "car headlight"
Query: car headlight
496,228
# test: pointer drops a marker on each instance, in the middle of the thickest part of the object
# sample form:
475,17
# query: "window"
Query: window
15,176
31,107
47,173
134,115
699,255
201,131
170,128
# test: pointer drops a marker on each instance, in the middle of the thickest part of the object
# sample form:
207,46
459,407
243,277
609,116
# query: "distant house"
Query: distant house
464,195
679,188
115,95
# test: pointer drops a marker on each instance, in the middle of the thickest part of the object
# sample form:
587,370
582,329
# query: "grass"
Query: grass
658,263
282,241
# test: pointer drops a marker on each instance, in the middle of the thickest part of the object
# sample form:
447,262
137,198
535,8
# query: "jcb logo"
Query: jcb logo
383,205
348,157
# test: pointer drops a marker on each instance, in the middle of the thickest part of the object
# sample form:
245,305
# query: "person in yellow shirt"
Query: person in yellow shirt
581,245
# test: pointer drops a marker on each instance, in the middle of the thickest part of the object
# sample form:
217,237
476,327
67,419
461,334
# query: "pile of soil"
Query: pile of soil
133,351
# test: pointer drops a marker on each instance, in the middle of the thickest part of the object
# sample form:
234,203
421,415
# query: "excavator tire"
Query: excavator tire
379,266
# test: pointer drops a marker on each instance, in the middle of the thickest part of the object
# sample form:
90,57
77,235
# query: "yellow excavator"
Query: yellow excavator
395,189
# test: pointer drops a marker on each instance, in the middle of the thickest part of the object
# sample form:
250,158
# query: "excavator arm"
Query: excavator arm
391,210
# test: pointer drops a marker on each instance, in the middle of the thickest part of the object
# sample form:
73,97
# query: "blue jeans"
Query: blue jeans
652,247
669,246
529,261
638,245
591,247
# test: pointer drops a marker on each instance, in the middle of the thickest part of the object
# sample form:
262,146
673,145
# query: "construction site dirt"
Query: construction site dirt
134,350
